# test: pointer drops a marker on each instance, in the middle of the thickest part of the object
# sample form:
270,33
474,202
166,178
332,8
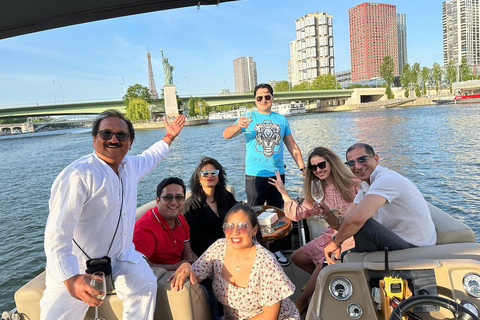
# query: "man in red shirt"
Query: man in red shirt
162,233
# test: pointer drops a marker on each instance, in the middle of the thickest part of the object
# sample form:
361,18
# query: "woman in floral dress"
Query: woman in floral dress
247,278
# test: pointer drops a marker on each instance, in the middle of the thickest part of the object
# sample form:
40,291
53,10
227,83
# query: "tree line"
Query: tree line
413,78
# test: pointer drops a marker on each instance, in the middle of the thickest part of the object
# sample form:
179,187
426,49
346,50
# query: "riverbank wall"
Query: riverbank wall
160,124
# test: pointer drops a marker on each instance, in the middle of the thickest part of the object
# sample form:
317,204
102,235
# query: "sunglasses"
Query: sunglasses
169,198
360,160
107,135
205,173
267,97
321,165
242,227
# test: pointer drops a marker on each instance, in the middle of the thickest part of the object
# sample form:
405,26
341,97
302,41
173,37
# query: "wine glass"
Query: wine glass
317,195
99,283
248,115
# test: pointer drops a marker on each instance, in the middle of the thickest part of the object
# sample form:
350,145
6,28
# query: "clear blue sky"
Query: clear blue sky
89,61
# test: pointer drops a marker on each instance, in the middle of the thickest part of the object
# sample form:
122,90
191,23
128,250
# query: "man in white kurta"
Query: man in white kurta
93,200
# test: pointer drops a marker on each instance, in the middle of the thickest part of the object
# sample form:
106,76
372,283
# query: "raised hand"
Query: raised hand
278,183
176,126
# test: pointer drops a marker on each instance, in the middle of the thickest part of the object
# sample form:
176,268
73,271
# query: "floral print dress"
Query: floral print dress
267,284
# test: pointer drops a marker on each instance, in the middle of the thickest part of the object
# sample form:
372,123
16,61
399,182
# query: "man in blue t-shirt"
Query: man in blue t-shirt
266,132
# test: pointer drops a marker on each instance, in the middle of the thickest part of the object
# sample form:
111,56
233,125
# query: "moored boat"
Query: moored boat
464,99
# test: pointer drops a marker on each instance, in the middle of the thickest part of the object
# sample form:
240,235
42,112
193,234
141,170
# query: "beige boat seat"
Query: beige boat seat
453,238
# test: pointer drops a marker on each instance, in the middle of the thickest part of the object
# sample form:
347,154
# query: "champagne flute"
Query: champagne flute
317,195
99,283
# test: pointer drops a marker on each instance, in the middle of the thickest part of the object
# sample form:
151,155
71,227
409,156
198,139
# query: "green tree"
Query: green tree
451,73
324,82
137,109
387,67
414,75
436,74
304,86
136,91
198,107
464,71
282,86
405,79
424,75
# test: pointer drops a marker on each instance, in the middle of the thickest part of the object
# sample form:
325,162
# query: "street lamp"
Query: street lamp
123,83
63,100
188,87
54,95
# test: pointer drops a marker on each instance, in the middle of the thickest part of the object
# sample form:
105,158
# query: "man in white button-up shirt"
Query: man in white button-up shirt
92,212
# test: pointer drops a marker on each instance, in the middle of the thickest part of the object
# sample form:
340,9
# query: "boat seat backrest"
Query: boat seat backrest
189,303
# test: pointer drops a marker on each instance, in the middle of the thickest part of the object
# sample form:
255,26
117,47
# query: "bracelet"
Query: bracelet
169,136
333,240
301,169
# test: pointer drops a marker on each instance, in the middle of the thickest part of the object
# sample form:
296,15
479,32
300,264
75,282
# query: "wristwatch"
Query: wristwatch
333,240
301,169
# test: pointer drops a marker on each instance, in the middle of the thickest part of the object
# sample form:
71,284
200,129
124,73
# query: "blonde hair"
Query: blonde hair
343,178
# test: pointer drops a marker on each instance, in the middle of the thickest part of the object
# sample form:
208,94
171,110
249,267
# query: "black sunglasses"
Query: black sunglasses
107,135
321,165
362,159
169,198
267,97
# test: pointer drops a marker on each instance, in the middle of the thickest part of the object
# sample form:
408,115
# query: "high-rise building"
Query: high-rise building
311,53
461,32
402,40
245,74
373,35
152,90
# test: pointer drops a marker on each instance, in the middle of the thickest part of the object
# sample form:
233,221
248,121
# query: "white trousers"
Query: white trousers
135,284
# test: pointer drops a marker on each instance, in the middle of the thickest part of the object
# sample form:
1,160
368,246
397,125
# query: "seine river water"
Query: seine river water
437,147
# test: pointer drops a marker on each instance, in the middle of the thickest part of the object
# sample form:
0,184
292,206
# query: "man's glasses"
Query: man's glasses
107,135
242,227
169,198
205,173
321,165
267,97
360,160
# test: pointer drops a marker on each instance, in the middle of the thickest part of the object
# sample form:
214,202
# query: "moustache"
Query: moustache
110,144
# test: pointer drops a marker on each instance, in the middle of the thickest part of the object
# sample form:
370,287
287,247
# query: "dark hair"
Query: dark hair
368,148
115,114
220,188
263,85
168,181
251,215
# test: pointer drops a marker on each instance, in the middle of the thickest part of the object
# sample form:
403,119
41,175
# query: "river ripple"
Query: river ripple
434,146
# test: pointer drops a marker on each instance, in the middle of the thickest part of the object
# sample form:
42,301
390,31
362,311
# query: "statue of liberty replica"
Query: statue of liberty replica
167,70
171,106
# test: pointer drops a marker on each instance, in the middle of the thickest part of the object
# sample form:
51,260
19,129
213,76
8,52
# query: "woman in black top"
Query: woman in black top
208,204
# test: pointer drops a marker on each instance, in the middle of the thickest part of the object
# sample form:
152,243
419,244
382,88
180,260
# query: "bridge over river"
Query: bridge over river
323,98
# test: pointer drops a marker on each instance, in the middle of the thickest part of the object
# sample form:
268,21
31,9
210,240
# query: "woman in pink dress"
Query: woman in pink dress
247,279
340,187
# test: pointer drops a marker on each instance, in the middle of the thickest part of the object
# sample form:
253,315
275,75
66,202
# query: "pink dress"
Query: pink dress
333,199
267,284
